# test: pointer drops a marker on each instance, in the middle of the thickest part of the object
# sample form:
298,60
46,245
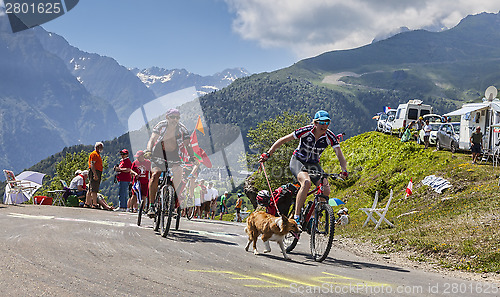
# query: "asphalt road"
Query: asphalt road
62,251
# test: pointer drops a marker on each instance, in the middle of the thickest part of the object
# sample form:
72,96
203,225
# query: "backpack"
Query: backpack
282,199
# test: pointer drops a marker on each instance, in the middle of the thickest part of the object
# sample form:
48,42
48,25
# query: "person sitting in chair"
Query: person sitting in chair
78,183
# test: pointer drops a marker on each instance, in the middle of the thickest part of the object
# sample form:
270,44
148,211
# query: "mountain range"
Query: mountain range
444,69
53,95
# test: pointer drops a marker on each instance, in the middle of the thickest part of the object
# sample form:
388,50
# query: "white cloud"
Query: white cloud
311,27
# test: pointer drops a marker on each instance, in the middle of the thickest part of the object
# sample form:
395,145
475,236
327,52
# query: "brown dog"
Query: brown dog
271,227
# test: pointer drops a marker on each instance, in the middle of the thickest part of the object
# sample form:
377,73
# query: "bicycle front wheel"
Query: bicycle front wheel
169,206
322,231
290,240
158,208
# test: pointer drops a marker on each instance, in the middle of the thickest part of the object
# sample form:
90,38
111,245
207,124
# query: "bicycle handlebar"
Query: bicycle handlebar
324,174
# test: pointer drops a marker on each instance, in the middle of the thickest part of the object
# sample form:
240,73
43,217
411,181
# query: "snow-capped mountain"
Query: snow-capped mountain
163,81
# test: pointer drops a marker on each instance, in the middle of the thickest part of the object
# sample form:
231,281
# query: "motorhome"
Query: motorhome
408,112
485,115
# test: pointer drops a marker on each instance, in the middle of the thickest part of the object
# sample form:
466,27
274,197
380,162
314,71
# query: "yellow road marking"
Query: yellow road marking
285,282
288,280
239,276
348,280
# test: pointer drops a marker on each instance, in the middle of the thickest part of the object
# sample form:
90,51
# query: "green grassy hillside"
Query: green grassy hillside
457,229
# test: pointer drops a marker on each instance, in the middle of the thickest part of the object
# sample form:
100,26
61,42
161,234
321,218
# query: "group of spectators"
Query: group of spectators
141,176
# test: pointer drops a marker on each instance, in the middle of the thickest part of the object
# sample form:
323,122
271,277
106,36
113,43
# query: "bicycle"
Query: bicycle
165,203
317,219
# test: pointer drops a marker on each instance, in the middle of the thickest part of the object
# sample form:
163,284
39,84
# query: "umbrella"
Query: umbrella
335,202
27,183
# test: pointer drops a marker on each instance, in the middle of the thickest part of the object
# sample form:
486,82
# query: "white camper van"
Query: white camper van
408,112
485,115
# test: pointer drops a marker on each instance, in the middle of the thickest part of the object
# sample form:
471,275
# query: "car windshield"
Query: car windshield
456,128
434,127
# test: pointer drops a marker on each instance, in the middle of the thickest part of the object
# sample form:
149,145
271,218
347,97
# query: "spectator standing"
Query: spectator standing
222,205
239,202
213,196
427,133
205,200
95,175
476,142
124,177
141,169
419,126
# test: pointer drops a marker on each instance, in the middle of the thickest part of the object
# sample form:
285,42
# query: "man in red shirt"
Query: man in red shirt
124,178
141,169
95,173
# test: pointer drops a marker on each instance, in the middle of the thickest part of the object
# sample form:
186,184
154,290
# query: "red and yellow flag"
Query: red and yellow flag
199,126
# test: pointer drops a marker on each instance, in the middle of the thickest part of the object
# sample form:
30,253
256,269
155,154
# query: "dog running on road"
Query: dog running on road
272,229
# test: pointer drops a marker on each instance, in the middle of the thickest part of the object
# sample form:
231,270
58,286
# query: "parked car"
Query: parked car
382,121
433,137
448,137
433,118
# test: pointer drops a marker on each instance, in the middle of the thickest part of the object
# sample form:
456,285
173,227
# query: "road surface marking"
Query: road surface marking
218,234
348,280
281,281
107,223
239,276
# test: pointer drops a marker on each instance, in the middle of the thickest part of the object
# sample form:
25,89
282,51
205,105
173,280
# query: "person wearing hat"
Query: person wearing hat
78,183
95,174
237,207
141,170
313,140
222,204
476,140
169,138
124,177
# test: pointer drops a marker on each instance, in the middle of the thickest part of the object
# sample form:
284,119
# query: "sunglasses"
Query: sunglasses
174,117
323,122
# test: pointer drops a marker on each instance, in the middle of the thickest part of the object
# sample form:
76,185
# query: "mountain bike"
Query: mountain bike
317,219
166,203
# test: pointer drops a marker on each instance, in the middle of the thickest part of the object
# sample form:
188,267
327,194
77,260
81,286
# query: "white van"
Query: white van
408,112
383,119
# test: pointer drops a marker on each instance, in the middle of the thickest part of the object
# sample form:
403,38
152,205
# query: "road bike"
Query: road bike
317,219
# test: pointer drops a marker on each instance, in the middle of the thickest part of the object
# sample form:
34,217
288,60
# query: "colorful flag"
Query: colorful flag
386,109
199,153
409,188
199,126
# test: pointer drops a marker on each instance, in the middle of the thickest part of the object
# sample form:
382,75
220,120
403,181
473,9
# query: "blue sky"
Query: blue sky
192,34
208,36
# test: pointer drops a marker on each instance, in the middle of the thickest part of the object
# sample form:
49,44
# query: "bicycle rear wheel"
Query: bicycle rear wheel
190,208
322,231
178,218
190,212
169,206
140,212
290,240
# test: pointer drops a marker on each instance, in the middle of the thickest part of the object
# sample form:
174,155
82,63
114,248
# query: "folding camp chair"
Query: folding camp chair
16,189
381,212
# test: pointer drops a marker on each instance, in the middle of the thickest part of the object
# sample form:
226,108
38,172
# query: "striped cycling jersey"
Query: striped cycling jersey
310,149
